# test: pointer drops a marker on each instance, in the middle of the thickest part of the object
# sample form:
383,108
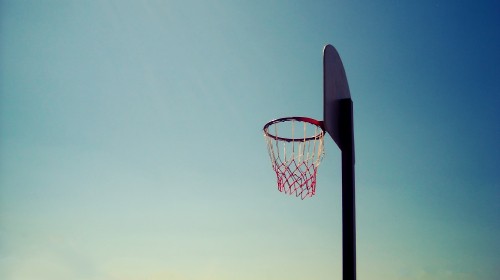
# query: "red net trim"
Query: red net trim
296,178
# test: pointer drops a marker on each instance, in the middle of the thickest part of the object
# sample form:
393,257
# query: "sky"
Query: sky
131,142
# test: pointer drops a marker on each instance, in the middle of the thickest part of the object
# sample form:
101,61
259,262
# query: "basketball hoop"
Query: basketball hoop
296,153
295,146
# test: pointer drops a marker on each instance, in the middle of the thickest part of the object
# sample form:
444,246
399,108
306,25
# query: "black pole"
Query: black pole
348,190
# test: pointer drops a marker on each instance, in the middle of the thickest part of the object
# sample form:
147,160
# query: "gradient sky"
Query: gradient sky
131,143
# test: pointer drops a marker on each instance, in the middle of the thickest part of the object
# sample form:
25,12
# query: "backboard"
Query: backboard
335,89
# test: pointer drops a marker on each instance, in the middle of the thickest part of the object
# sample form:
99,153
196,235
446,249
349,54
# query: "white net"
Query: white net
296,149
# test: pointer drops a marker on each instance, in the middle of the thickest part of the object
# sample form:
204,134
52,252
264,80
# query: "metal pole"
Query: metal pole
338,121
348,191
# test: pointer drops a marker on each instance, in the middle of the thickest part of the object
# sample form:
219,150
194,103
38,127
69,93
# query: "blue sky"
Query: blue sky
131,143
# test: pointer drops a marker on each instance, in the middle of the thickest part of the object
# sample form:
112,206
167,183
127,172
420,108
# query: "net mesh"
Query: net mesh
295,160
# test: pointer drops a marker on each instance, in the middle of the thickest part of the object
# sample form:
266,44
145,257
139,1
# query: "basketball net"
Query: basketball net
295,160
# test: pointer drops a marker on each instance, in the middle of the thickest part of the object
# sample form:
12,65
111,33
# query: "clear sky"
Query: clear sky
131,139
